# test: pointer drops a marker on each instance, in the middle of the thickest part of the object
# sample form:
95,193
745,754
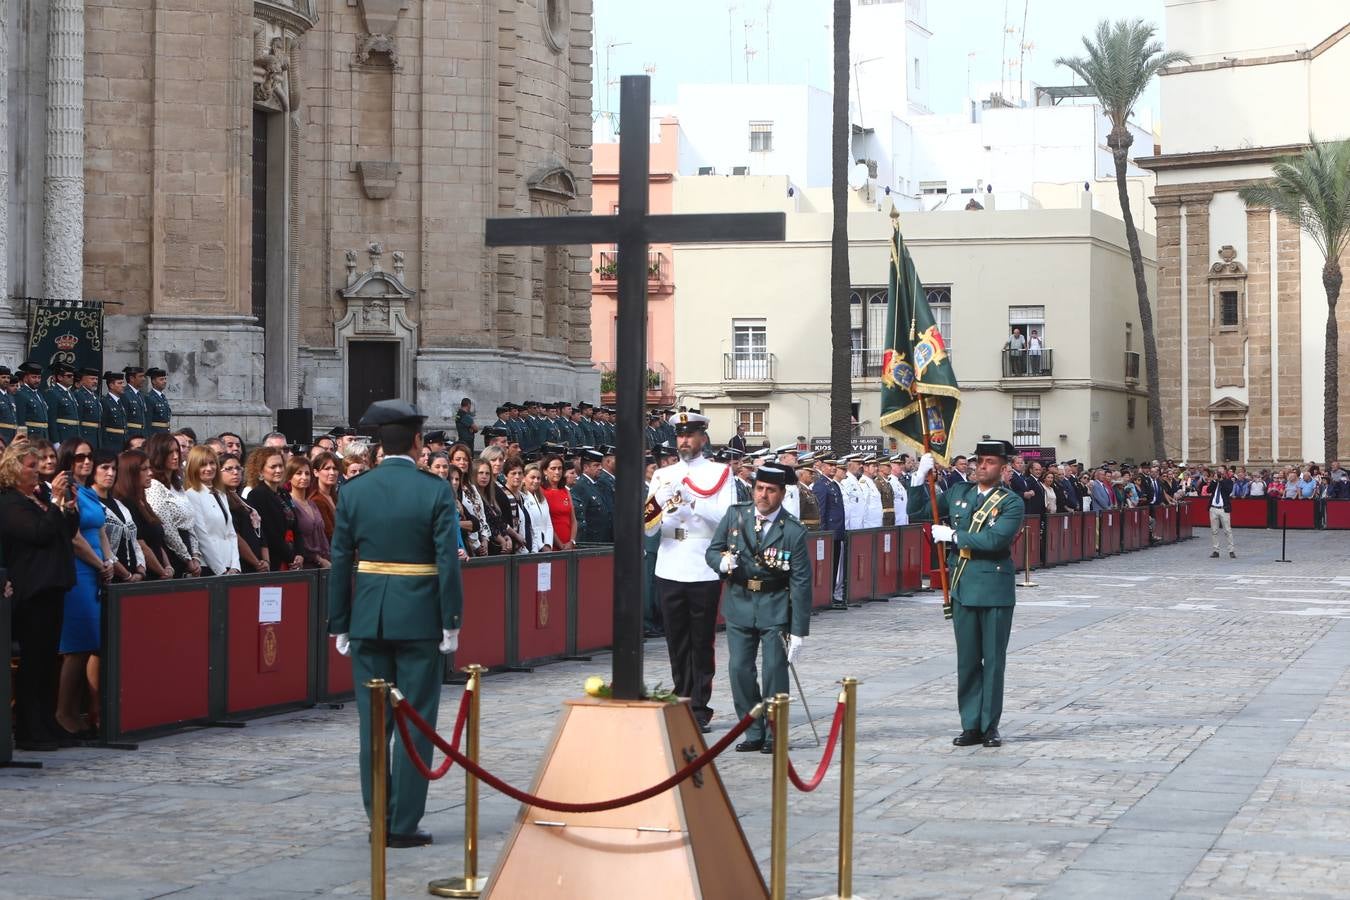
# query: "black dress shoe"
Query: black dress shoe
705,727
1214,555
838,604
750,746
993,739
967,738
419,838
39,746
767,749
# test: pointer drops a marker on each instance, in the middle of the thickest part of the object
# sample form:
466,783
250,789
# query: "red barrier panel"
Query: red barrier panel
1108,540
821,548
267,663
1250,512
913,554
888,560
1182,529
1164,527
860,557
1133,522
156,668
1058,543
1088,533
1074,553
1029,536
1295,514
483,637
1197,511
593,603
1337,516
540,609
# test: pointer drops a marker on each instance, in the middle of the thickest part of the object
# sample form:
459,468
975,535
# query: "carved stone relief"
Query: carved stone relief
1228,336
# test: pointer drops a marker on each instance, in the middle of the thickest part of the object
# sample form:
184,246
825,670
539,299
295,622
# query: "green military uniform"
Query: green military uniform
133,404
91,414
887,500
810,508
983,591
594,509
63,414
31,410
112,431
767,596
401,523
9,416
464,427
158,413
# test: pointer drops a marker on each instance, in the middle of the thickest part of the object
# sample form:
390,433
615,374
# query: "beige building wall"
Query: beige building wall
1072,262
1254,91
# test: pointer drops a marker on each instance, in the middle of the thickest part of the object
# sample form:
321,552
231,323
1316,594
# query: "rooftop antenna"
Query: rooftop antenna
768,41
1022,72
609,83
731,44
749,51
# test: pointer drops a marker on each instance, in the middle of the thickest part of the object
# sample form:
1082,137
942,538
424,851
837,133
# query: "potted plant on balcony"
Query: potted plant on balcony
608,270
607,382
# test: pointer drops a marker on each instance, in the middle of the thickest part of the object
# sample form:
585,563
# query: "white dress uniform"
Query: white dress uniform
681,557
871,503
792,501
855,506
901,498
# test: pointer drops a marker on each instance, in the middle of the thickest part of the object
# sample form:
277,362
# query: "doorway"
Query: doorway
372,374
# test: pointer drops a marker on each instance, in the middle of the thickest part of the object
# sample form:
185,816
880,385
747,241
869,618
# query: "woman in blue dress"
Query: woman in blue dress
80,626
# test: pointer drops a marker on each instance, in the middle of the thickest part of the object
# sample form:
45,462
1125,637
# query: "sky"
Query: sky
688,42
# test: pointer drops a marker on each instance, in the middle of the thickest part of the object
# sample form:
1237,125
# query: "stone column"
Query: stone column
63,184
4,154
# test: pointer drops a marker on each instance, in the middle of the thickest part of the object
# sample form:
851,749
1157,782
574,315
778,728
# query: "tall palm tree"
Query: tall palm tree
841,344
1120,62
1313,190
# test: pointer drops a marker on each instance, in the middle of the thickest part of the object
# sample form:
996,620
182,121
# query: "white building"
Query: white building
1241,312
752,338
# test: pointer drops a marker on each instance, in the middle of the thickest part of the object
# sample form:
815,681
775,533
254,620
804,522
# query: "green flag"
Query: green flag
920,399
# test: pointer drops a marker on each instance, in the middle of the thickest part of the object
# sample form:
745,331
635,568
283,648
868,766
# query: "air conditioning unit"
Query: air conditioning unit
740,170
706,170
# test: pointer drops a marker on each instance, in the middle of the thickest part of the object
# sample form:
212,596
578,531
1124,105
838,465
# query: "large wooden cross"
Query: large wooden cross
632,230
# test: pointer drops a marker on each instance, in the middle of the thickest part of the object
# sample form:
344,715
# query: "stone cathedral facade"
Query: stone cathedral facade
282,201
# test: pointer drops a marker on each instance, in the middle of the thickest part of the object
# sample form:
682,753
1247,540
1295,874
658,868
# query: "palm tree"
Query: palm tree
1119,64
1313,190
841,344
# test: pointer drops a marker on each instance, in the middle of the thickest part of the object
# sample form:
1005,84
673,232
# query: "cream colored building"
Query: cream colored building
752,324
1241,312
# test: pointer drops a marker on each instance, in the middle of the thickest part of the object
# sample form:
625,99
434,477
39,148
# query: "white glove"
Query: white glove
681,514
343,643
665,493
727,564
925,466
449,641
794,648
943,533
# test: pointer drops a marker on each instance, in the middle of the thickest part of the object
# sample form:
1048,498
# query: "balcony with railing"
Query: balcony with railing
748,372
865,363
660,385
658,271
1131,367
1028,363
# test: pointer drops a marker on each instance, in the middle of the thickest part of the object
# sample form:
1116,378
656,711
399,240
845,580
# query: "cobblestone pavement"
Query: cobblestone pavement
1175,726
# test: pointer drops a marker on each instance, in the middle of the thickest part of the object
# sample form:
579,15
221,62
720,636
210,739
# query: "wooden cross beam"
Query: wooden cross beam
632,230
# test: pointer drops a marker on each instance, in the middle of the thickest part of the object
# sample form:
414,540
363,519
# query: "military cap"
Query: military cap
133,370
808,457
155,372
392,412
787,448
490,432
552,449
342,431
109,377
608,449
653,416
434,437
552,405
1004,449
30,368
773,473
1070,462
689,423
60,368
591,455
502,408
666,448
727,454
649,460
87,370
583,406
4,370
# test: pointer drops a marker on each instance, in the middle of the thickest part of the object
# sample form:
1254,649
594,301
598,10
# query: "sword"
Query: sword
800,693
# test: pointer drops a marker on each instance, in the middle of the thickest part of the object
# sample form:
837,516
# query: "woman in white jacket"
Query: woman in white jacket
217,544
536,507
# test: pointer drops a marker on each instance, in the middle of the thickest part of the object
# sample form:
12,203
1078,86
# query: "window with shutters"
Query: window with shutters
752,417
761,137
1228,308
1026,422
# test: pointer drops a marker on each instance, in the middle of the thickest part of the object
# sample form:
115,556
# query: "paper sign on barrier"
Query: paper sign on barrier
545,582
820,551
886,540
269,605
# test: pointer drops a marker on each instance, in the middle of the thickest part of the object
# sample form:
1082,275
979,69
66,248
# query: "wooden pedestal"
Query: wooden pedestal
684,843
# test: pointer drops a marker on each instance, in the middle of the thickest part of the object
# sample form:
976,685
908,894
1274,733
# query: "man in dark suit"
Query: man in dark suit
956,474
830,499
1221,510
737,441
404,611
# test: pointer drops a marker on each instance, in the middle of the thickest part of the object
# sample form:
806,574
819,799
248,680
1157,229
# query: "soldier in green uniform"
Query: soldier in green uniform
9,420
91,407
133,404
760,550
985,519
158,413
594,507
402,526
465,428
29,405
112,430
63,412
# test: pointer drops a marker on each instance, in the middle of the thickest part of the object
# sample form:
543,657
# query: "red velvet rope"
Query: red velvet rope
807,787
403,710
416,758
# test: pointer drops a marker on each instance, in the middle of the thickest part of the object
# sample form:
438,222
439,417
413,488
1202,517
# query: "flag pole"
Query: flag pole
932,501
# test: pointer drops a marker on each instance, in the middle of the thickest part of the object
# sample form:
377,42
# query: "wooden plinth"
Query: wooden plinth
684,843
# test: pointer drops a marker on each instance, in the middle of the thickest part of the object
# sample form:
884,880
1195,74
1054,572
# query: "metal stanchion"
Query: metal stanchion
847,761
471,884
379,785
778,713
1026,556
